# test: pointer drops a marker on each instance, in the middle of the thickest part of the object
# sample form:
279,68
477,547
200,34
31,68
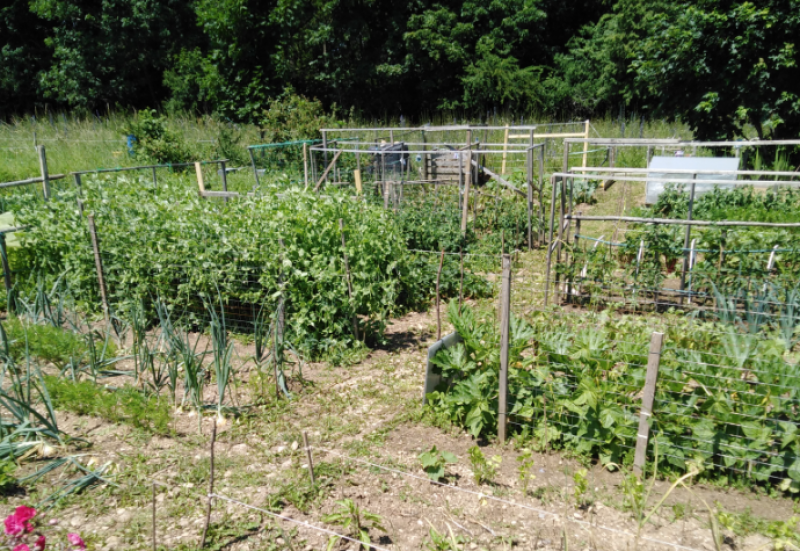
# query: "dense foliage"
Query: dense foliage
169,243
719,65
725,401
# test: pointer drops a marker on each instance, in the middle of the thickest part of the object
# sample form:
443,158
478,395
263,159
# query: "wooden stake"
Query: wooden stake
43,168
357,178
649,392
438,311
308,456
349,282
505,329
530,198
305,164
210,484
327,170
98,264
198,170
154,516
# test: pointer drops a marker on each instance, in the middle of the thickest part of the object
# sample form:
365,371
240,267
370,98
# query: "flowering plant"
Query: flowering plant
21,533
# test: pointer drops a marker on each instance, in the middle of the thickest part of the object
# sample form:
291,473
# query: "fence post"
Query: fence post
438,303
43,169
305,164
586,143
529,195
541,195
467,176
155,178
308,456
98,264
349,283
505,329
198,169
648,394
224,177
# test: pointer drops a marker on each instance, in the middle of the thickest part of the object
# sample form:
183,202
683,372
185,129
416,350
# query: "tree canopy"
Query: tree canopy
719,65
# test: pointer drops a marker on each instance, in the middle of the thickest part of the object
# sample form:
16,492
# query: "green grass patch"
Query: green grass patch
123,405
49,343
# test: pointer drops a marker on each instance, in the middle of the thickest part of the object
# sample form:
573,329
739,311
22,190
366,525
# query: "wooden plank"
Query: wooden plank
357,178
649,392
327,170
502,181
43,169
198,170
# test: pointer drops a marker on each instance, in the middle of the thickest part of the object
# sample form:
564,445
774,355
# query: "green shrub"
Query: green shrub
154,142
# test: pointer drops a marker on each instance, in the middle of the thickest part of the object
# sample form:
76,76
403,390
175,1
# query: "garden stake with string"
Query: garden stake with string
210,485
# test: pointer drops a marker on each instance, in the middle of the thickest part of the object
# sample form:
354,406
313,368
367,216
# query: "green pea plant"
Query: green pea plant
525,465
434,462
483,470
354,519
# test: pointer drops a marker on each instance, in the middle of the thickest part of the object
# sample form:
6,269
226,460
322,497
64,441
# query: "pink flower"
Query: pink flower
25,513
22,547
39,545
14,526
76,540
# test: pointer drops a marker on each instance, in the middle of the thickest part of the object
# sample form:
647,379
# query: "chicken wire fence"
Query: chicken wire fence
724,393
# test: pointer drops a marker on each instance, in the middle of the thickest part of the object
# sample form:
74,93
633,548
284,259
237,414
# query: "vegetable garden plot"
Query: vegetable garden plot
725,402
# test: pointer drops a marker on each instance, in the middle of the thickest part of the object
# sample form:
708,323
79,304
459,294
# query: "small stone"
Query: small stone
112,541
473,545
294,445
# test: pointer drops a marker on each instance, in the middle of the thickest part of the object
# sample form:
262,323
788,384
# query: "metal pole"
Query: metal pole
6,267
253,162
688,237
224,177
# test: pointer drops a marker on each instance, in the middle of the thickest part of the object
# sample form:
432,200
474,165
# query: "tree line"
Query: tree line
722,66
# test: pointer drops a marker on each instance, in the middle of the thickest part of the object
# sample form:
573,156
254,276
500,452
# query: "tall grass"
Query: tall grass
91,142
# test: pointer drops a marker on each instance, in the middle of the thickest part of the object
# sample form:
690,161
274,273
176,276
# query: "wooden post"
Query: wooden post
6,267
43,169
310,460
505,330
649,392
688,237
586,144
505,151
324,177
210,485
198,170
357,178
224,178
154,517
349,282
98,264
305,164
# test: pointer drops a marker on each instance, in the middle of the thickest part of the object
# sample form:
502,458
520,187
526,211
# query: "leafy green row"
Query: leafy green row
725,401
